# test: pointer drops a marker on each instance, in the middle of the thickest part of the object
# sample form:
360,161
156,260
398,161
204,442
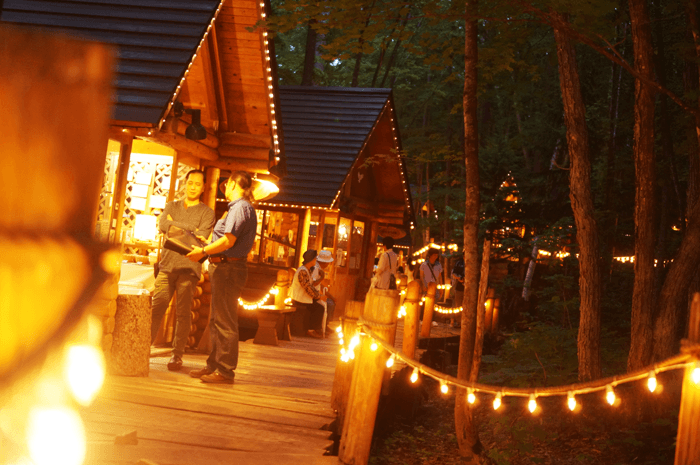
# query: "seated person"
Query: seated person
319,274
305,295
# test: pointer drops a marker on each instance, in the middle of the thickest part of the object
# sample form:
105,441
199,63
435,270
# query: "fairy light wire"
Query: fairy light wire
672,363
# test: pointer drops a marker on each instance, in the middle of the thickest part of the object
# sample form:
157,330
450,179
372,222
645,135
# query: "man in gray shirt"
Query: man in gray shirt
177,272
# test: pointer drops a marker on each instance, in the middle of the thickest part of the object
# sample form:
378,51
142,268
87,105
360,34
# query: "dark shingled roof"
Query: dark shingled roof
155,39
324,130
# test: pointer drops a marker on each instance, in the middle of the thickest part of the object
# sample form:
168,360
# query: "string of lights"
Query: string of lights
256,305
681,361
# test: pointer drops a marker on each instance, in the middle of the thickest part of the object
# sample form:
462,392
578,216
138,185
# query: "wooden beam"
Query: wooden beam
239,151
218,79
235,164
173,176
179,126
384,220
212,184
246,140
189,160
178,142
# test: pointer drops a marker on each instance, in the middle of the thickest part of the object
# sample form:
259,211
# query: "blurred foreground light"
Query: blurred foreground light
571,402
532,404
414,375
56,437
390,362
84,372
444,389
695,375
373,347
497,402
471,398
651,382
610,395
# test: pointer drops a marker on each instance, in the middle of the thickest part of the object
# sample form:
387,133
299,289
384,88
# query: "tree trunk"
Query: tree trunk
309,55
582,206
673,297
466,428
641,348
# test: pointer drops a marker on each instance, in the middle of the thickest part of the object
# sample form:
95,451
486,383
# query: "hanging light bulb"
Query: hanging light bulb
497,401
651,381
471,398
571,401
338,329
390,362
414,375
342,351
340,334
610,395
373,347
341,341
443,388
695,375
532,404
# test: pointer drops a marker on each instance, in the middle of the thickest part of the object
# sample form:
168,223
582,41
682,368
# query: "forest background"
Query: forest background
643,160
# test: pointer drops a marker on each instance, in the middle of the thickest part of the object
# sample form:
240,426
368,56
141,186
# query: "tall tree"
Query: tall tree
309,55
581,204
643,295
466,428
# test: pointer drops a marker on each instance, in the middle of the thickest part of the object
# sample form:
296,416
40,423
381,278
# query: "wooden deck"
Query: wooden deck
274,414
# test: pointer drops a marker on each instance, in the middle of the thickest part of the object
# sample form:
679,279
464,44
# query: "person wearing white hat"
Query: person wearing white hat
318,274
304,294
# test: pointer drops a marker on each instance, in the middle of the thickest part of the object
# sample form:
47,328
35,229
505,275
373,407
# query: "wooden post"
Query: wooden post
343,370
402,282
480,313
120,190
687,443
358,427
429,307
282,286
173,176
210,189
410,322
303,237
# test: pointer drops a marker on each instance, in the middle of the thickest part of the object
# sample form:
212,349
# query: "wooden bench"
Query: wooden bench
273,325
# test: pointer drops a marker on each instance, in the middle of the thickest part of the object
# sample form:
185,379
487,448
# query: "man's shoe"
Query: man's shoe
314,333
175,363
201,372
216,378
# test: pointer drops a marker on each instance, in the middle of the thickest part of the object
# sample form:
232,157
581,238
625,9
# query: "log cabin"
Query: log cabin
346,185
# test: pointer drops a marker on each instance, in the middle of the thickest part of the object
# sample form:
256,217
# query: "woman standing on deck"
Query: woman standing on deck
232,240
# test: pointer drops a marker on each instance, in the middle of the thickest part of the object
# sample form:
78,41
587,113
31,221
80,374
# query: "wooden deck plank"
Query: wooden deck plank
275,411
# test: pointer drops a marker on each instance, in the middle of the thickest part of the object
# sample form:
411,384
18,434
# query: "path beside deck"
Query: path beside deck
274,414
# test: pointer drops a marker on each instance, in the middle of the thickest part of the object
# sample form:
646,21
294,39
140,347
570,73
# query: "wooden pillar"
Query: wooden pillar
119,198
282,286
687,443
173,176
428,310
381,307
343,370
212,175
304,236
319,230
410,322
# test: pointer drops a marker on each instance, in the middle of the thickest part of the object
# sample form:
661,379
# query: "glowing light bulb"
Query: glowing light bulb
651,382
532,404
414,375
373,347
345,358
84,371
340,334
610,395
390,362
695,375
341,341
355,341
444,389
56,436
571,401
342,351
471,398
497,402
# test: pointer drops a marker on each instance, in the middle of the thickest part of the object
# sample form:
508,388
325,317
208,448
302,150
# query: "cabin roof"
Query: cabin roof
325,129
155,41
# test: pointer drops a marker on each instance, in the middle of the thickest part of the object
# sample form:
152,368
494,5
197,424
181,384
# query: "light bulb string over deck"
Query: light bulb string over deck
682,360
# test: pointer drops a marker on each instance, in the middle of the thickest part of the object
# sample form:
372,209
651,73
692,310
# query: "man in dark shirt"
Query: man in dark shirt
177,272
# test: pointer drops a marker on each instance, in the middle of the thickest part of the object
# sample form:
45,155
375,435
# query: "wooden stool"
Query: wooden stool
273,325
